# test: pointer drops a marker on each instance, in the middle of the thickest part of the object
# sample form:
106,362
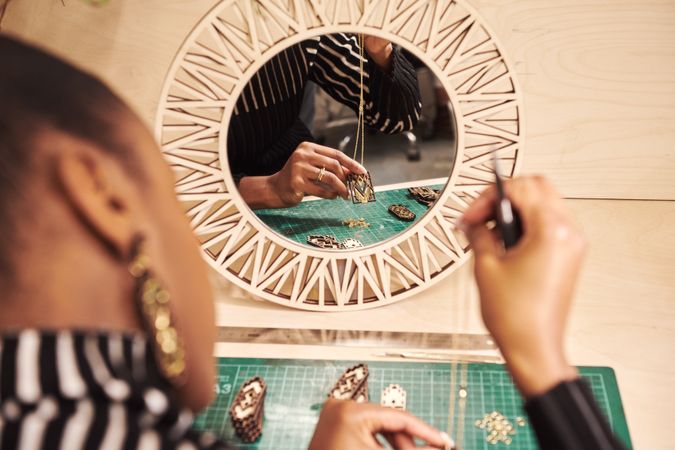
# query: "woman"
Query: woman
272,153
105,307
94,351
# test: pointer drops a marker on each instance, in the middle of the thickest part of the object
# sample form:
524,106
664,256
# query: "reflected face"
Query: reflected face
332,132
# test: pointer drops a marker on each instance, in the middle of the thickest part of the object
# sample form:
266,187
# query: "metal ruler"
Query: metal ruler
356,338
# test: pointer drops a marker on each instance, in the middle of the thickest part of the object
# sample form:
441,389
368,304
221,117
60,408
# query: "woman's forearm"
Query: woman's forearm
535,370
258,192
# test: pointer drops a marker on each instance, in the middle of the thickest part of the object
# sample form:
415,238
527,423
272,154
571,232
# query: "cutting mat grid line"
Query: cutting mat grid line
297,389
326,216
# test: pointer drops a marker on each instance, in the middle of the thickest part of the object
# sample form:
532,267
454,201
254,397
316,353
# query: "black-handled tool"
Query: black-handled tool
508,220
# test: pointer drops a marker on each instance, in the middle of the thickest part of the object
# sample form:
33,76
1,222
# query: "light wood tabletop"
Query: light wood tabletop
599,84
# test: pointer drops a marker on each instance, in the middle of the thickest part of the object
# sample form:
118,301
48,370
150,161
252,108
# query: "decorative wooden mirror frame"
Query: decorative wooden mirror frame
214,64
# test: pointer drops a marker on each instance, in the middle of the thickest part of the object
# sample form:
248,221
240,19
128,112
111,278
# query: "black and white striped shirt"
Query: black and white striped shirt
265,128
77,390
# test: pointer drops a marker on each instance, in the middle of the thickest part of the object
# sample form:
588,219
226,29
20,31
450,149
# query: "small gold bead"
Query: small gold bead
162,318
163,296
169,346
138,266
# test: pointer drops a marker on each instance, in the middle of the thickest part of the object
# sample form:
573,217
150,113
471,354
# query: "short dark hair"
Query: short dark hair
41,92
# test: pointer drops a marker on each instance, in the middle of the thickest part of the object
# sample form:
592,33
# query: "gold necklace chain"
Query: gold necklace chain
460,318
360,126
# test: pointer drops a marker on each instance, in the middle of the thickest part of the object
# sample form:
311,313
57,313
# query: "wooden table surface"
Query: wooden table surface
599,83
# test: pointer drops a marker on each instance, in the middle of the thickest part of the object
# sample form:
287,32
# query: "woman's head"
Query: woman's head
80,179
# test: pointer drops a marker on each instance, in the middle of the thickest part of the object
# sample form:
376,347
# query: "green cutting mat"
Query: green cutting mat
297,388
326,216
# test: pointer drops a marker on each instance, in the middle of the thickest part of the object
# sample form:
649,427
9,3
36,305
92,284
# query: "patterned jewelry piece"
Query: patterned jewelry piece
352,385
247,408
402,212
351,243
393,396
153,303
323,241
424,195
361,187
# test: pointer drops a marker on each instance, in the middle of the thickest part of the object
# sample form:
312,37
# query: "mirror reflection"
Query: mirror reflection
341,141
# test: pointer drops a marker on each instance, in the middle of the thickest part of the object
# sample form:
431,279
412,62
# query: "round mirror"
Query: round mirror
302,252
322,172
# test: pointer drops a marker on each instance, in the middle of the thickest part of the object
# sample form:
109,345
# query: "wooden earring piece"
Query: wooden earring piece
361,187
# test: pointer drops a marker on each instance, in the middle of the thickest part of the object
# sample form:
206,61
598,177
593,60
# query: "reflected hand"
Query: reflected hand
347,425
379,51
300,174
526,292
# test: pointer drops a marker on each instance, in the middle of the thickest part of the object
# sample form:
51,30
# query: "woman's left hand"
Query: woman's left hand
379,50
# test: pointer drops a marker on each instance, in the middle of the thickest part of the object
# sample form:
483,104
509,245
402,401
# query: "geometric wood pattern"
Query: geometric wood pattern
214,64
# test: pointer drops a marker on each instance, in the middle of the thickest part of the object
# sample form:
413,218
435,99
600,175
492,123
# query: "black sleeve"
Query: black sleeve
273,158
393,103
568,418
391,99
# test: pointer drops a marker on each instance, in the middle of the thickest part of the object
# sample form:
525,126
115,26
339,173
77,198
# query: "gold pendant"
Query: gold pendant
361,187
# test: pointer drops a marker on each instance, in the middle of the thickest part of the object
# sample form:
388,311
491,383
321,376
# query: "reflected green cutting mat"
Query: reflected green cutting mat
297,388
326,216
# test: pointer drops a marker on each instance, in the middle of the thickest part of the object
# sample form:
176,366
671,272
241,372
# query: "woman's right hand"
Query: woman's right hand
300,174
526,292
345,424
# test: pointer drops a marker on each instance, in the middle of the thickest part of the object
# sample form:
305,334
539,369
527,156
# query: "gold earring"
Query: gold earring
153,304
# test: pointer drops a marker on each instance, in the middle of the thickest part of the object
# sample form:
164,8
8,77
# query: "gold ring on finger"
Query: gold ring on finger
321,174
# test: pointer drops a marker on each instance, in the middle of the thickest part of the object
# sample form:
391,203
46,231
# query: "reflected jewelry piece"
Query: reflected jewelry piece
352,223
323,241
425,195
351,243
402,212
424,192
393,396
153,305
322,172
361,188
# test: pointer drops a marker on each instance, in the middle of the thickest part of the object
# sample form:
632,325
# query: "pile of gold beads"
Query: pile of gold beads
498,427
353,223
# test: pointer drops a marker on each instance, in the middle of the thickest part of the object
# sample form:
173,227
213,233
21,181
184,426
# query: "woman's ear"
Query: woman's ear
101,195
